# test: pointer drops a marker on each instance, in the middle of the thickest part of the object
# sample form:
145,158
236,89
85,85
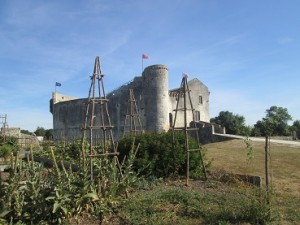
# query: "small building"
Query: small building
23,140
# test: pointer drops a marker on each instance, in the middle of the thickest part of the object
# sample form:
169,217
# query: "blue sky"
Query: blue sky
247,52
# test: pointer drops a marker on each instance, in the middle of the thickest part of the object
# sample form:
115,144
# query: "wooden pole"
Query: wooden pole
186,134
266,167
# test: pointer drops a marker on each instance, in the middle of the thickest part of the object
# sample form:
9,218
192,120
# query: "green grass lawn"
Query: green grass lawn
231,156
220,202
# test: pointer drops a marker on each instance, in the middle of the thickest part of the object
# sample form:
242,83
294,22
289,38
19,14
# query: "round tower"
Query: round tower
155,94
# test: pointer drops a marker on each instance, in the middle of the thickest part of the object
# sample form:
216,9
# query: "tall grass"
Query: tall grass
35,195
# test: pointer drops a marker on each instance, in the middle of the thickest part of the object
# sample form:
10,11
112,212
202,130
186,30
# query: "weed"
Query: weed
189,207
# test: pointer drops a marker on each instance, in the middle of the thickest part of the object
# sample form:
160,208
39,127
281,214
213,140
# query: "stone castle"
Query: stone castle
156,104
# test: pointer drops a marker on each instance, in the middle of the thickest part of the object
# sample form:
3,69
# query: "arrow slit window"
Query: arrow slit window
200,100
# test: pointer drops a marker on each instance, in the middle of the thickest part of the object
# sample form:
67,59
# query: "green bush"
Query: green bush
70,153
8,146
5,151
157,156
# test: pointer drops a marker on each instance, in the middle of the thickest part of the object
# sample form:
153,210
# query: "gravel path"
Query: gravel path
285,142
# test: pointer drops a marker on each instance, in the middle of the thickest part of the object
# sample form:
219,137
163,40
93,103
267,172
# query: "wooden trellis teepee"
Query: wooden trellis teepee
97,129
184,93
132,124
4,127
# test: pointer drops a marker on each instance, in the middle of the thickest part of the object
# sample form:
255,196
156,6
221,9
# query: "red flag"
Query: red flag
144,56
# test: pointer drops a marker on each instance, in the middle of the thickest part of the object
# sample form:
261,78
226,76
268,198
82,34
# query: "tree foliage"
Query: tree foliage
26,132
296,125
233,123
274,123
41,131
49,133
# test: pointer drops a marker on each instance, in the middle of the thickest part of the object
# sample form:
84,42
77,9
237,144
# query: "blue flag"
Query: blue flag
57,84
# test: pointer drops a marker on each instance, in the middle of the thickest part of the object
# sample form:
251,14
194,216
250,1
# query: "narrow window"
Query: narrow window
170,119
200,100
197,116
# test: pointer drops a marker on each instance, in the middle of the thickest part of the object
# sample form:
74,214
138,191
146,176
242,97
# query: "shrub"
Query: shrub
8,147
70,153
6,151
157,156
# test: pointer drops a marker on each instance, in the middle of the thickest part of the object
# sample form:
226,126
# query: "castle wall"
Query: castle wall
68,119
200,102
118,104
200,99
57,97
207,132
155,103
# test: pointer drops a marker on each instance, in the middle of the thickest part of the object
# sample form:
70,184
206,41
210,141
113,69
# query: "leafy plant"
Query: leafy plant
6,151
8,146
157,156
249,149
35,195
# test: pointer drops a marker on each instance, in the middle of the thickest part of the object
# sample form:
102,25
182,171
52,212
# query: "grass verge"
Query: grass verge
217,204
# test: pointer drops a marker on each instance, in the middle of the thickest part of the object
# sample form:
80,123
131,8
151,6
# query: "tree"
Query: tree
296,125
295,129
234,123
275,122
40,131
258,129
26,132
49,134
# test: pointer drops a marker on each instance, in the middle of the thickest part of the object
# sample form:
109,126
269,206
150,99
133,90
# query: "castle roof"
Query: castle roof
194,80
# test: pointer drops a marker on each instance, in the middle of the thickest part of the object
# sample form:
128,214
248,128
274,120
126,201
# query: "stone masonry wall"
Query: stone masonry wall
155,105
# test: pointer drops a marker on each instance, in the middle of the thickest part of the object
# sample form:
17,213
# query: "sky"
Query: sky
246,52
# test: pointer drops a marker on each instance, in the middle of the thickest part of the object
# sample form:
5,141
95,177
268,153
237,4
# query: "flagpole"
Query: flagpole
55,88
